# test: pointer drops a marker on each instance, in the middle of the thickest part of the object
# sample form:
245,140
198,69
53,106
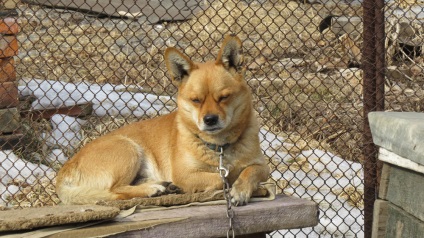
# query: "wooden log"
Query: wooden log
8,95
7,70
74,111
9,120
380,216
8,46
8,142
9,26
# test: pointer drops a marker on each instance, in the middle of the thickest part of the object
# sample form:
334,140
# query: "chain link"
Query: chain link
223,172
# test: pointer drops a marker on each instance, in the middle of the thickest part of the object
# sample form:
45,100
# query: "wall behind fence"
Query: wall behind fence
85,69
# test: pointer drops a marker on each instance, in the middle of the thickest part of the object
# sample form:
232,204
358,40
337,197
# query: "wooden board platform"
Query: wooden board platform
284,212
210,220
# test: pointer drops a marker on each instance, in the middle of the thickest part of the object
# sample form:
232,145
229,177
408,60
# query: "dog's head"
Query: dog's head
213,96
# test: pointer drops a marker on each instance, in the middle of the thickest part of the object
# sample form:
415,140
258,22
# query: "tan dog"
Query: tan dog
143,159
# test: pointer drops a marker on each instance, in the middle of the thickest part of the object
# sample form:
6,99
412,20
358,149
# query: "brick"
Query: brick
9,120
8,95
7,70
9,26
8,46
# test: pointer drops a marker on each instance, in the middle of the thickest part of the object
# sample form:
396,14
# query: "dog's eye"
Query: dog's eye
223,97
195,100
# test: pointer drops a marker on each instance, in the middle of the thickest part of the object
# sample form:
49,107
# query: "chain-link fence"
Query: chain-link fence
83,68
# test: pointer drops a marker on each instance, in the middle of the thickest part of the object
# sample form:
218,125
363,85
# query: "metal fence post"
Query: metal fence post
373,65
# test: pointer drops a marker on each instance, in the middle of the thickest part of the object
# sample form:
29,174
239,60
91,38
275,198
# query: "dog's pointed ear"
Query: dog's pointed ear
229,55
179,65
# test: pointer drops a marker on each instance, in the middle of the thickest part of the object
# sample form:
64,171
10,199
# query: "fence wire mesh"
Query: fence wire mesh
84,68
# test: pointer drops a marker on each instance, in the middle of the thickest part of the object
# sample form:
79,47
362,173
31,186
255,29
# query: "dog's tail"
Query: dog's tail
69,194
72,188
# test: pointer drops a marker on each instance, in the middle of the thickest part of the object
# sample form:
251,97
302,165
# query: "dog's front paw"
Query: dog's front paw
172,188
240,194
165,188
156,190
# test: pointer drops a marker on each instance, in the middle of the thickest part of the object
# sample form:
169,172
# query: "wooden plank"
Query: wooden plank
74,111
406,190
8,46
384,181
7,70
9,120
400,224
8,95
208,221
399,161
9,142
9,26
380,217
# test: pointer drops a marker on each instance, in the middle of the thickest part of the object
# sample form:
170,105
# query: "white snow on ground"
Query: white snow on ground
66,132
14,169
108,99
326,173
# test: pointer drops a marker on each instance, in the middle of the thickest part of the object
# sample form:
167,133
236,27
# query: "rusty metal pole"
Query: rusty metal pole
369,150
380,63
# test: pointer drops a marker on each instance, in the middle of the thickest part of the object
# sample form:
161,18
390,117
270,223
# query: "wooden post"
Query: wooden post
9,96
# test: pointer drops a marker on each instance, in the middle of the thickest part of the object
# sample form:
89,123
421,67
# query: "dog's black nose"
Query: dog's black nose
210,119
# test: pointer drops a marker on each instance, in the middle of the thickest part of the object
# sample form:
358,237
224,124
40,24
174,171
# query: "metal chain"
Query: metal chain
223,172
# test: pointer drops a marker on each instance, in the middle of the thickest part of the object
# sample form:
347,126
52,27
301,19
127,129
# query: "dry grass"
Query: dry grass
40,193
353,196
